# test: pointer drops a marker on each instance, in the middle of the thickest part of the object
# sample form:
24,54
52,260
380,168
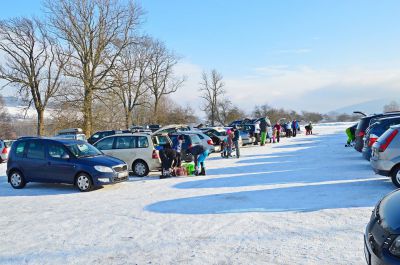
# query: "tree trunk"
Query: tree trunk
87,112
155,116
40,122
128,118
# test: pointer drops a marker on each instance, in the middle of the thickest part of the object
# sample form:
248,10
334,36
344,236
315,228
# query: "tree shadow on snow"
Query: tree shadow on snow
301,199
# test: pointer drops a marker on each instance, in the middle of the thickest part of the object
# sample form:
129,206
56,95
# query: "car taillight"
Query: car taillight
155,155
372,139
361,133
210,142
4,150
190,146
388,140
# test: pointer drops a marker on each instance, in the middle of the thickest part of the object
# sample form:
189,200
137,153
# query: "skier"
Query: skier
199,154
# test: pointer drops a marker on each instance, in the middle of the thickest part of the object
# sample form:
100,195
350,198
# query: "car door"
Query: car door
106,145
59,169
124,148
35,164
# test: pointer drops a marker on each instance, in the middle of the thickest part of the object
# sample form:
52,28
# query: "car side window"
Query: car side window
105,144
19,149
35,150
200,136
195,140
142,142
55,151
124,142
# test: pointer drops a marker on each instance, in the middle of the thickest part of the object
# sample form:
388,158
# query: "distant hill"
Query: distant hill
373,106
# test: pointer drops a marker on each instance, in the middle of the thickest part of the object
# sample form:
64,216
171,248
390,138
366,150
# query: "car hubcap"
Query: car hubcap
398,176
140,169
16,179
83,182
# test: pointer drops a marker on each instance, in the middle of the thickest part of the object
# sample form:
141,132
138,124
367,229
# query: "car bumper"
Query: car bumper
381,167
372,259
110,178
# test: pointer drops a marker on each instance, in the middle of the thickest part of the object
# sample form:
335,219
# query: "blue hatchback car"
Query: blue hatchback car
34,159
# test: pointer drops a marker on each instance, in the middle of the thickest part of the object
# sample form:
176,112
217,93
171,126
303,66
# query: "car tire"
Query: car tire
17,180
396,176
140,168
84,182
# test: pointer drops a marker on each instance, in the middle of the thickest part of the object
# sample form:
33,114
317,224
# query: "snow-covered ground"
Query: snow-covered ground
304,201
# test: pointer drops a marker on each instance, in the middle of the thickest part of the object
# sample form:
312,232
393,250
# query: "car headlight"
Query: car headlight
104,169
395,247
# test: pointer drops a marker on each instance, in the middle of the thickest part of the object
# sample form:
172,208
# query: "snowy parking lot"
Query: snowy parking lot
303,201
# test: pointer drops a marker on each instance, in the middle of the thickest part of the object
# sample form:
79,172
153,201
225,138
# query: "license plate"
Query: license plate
123,174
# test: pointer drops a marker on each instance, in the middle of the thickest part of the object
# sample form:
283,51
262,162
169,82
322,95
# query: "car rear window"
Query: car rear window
195,140
19,149
35,150
385,135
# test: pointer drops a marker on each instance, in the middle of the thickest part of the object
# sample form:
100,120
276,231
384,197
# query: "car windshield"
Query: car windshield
83,150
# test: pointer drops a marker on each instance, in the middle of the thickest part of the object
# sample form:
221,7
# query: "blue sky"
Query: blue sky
309,54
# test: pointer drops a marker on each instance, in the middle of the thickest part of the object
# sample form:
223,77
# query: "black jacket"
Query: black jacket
236,136
263,125
196,150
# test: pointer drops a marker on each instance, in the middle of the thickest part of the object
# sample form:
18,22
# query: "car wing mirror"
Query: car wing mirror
65,156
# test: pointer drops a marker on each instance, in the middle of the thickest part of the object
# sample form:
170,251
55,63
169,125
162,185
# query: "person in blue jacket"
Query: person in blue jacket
199,154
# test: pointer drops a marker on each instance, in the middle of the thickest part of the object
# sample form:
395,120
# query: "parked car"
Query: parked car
72,134
206,141
220,132
363,125
216,140
101,134
188,141
50,160
140,129
160,140
174,128
5,146
154,127
381,238
374,131
136,149
385,159
247,134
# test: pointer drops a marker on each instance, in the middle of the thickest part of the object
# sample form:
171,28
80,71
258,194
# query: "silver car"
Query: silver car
5,146
385,159
206,141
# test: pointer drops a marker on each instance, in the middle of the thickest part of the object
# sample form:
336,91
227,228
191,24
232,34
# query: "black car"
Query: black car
375,131
189,140
382,235
363,125
101,134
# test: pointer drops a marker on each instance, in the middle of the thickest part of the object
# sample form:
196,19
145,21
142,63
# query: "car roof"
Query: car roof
52,139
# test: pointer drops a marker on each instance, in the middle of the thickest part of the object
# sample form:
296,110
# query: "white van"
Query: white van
135,149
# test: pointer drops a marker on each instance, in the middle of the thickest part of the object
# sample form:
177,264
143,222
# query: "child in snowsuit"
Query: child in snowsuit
178,148
199,154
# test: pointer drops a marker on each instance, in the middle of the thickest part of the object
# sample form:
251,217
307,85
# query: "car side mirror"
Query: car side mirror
65,156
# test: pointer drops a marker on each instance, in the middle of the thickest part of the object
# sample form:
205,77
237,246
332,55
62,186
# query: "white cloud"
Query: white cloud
294,51
299,88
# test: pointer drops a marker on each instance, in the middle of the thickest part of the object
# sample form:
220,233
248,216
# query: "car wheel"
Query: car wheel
17,180
396,176
140,168
84,182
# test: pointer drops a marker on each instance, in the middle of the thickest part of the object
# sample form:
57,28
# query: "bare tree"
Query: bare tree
130,76
97,32
162,81
33,64
212,88
392,106
227,112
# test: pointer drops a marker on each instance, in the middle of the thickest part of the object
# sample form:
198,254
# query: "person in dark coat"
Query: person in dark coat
236,137
199,154
294,128
167,156
178,148
263,129
278,128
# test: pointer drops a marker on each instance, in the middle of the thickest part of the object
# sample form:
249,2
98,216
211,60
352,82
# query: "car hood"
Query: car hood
389,212
101,160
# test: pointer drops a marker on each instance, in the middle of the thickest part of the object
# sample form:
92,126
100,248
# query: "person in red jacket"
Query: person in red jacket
277,128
